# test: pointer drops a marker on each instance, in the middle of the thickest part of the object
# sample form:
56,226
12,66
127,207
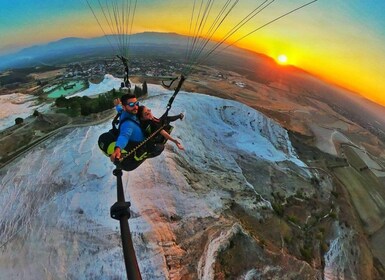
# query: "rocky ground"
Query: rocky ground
314,223
308,215
18,139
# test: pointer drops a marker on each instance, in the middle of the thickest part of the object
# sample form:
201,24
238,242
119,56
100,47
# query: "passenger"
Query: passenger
150,124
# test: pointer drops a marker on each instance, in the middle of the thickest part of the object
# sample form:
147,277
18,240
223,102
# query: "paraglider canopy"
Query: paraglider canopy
116,18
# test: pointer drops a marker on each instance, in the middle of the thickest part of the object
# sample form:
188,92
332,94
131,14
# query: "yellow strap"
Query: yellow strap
142,157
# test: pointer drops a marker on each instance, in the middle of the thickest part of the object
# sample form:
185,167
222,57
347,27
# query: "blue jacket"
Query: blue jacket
119,108
130,130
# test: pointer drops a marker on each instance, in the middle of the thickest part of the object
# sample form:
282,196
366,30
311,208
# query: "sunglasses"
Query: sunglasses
132,104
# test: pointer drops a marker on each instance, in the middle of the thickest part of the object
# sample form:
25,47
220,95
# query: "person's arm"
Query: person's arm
122,141
119,108
168,137
118,105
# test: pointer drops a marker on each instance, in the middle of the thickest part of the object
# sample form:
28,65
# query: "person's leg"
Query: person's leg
150,151
130,164
155,150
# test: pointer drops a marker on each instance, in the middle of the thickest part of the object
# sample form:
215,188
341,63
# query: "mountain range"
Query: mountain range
62,50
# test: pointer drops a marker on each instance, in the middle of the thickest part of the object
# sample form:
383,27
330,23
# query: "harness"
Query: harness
108,139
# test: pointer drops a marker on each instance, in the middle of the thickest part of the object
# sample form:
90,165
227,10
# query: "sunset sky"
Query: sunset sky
342,41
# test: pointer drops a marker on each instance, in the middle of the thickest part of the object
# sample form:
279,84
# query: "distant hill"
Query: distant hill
149,44
67,49
164,45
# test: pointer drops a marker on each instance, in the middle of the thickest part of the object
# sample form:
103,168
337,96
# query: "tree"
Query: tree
36,113
137,91
19,120
144,88
76,107
61,101
85,109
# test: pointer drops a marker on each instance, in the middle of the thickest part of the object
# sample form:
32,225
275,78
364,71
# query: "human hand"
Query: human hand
179,145
181,116
116,101
115,155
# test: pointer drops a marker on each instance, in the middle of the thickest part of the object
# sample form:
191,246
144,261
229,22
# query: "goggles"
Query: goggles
132,104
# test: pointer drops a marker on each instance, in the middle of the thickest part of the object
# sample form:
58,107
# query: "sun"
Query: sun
282,59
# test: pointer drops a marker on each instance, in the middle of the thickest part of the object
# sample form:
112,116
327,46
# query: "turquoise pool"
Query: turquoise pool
59,91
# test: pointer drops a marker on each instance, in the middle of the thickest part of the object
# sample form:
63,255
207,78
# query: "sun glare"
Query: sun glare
282,59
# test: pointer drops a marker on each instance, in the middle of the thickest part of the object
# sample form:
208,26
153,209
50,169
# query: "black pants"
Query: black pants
130,163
